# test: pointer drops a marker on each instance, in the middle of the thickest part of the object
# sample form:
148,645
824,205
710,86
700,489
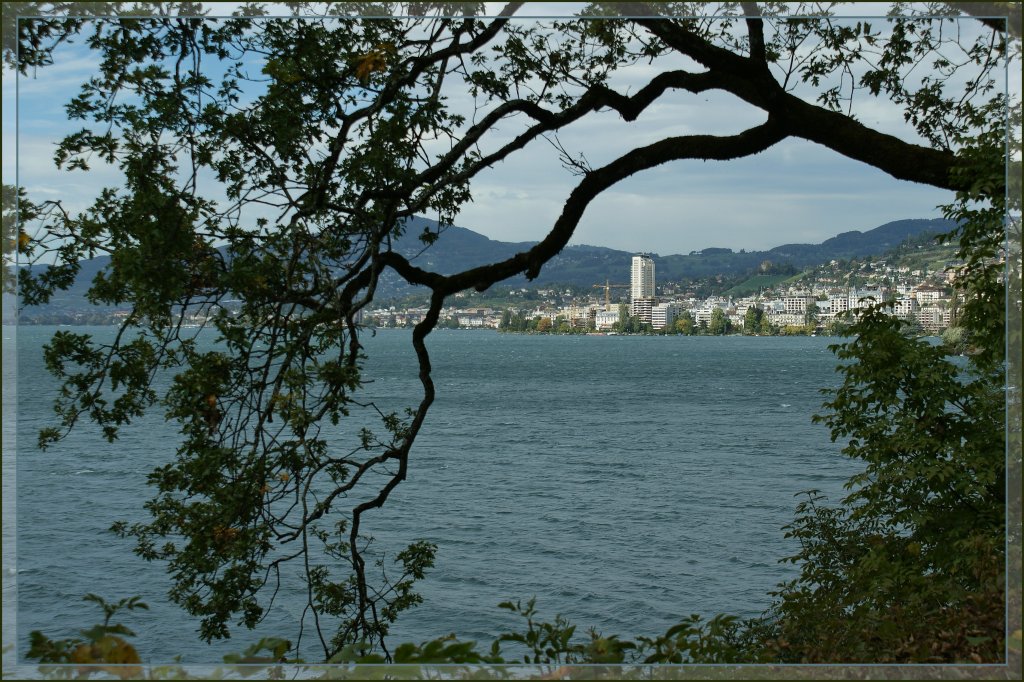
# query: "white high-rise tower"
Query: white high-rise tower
641,287
641,279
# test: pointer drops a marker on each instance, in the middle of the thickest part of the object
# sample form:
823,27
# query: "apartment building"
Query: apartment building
934,319
905,306
665,314
642,308
641,277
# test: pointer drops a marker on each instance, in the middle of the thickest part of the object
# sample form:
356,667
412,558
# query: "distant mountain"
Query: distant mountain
458,248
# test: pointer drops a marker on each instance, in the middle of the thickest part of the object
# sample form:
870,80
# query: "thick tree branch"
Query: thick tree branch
746,80
755,32
705,147
842,134
1001,16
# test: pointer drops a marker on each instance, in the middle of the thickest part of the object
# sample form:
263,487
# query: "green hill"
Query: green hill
756,284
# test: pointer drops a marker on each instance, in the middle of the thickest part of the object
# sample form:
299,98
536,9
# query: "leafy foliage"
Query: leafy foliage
102,648
17,211
911,566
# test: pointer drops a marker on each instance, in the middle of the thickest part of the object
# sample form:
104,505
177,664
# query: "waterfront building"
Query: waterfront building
580,315
702,315
606,319
934,319
853,299
905,306
665,314
838,304
784,319
471,320
642,308
797,304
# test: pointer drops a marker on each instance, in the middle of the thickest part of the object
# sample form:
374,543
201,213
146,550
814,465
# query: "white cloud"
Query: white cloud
61,79
796,192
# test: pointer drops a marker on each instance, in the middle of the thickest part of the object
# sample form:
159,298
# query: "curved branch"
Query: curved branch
854,140
840,133
594,99
705,147
419,335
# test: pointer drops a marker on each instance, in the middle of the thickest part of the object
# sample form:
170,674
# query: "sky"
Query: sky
795,192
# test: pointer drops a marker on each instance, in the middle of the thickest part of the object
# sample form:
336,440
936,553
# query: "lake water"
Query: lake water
626,482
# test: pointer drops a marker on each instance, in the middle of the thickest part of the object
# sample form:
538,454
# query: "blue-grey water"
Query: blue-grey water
626,482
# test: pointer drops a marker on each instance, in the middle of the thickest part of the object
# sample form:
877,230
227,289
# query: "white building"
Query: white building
744,304
606,319
927,295
784,319
641,277
665,314
905,306
797,304
853,299
642,308
702,315
471,321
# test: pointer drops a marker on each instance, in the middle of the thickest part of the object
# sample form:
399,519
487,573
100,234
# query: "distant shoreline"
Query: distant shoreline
9,325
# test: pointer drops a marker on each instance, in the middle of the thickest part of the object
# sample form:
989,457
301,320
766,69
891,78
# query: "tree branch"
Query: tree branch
1001,16
854,140
741,77
705,147
755,30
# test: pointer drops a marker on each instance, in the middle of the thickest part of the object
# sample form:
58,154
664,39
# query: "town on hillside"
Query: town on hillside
814,302
916,279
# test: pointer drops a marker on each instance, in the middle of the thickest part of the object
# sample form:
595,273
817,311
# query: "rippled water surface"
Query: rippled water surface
624,481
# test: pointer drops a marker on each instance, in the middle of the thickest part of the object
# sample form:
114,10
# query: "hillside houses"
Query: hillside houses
814,302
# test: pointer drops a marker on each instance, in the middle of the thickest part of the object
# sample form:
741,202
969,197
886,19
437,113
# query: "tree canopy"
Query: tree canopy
273,161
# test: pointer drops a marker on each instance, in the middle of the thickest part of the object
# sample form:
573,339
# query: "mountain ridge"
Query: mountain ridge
584,264
459,248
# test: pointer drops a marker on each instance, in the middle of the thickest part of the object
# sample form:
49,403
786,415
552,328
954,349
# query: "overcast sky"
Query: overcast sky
795,192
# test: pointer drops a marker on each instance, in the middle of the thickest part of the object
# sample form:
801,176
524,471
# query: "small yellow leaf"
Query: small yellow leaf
284,476
23,241
370,62
224,534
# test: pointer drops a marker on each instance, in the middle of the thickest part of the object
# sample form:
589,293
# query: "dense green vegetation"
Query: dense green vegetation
755,284
333,133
